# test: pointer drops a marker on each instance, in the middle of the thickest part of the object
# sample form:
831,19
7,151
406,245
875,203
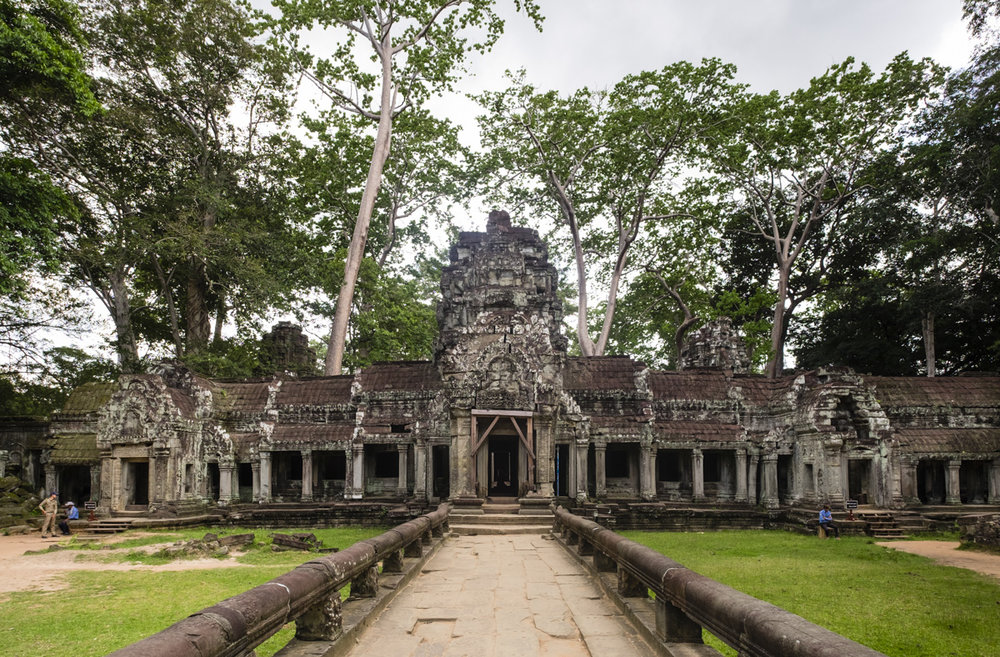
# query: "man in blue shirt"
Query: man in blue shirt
826,521
72,513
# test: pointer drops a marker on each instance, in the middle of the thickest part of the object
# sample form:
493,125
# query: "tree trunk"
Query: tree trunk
927,328
356,251
199,323
776,364
168,297
220,318
121,314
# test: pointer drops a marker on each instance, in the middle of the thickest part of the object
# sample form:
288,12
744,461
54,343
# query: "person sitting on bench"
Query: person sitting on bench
826,521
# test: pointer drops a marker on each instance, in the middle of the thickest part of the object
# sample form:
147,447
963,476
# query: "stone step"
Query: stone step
496,530
499,519
491,509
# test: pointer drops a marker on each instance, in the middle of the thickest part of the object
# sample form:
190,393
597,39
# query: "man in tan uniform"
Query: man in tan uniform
49,506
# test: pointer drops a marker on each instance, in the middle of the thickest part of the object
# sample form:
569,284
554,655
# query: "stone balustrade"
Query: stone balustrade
309,595
685,602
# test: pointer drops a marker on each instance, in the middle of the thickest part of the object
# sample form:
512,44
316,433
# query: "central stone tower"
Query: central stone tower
500,353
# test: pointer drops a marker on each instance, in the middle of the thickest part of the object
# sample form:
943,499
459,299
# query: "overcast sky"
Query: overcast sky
776,44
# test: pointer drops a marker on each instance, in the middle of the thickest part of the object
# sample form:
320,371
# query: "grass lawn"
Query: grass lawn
102,611
897,603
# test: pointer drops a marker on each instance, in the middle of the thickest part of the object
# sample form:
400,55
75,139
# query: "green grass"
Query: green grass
103,611
900,604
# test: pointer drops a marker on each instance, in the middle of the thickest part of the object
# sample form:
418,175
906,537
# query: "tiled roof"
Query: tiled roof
619,423
315,391
699,385
707,431
961,391
600,373
242,397
88,398
979,441
75,449
403,375
183,401
242,442
299,434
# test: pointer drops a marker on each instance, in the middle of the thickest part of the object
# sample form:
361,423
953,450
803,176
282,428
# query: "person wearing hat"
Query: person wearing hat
49,506
72,513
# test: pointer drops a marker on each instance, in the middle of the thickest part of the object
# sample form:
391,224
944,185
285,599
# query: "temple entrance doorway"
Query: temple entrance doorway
136,483
503,452
859,475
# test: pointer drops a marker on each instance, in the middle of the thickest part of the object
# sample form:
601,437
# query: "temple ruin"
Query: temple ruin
502,410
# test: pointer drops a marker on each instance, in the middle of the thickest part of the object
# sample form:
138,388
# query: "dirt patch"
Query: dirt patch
948,554
45,571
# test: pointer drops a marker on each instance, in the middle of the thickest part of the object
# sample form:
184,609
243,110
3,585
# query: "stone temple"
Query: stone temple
503,411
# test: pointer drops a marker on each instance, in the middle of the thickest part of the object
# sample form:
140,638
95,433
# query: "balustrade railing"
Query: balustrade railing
686,602
309,595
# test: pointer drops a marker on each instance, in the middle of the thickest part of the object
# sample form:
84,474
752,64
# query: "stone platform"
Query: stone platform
501,596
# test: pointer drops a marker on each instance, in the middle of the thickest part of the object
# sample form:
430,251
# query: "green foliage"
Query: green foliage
61,370
897,603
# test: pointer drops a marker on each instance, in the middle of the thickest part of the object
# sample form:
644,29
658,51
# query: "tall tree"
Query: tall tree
419,48
607,163
798,165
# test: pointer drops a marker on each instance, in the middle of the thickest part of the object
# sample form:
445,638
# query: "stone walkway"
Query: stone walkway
501,596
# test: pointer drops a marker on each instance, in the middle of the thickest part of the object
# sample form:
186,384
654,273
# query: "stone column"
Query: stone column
581,469
51,479
401,484
908,480
358,486
741,476
265,477
600,471
307,476
769,494
952,481
994,482
255,469
752,479
697,475
4,457
95,483
225,483
105,503
348,473
158,482
545,445
421,457
647,481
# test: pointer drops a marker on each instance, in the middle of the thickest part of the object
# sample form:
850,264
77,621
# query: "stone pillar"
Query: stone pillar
348,473
265,477
769,494
159,460
994,482
581,469
697,475
952,482
600,470
307,476
647,482
741,476
4,457
358,471
908,480
429,473
225,483
545,442
421,457
51,479
752,479
255,470
107,488
463,462
401,484
95,483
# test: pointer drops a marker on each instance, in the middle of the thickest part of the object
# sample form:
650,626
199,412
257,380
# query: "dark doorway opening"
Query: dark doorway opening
503,469
286,476
562,470
973,482
212,481
74,484
245,482
442,472
930,482
137,483
784,477
859,480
